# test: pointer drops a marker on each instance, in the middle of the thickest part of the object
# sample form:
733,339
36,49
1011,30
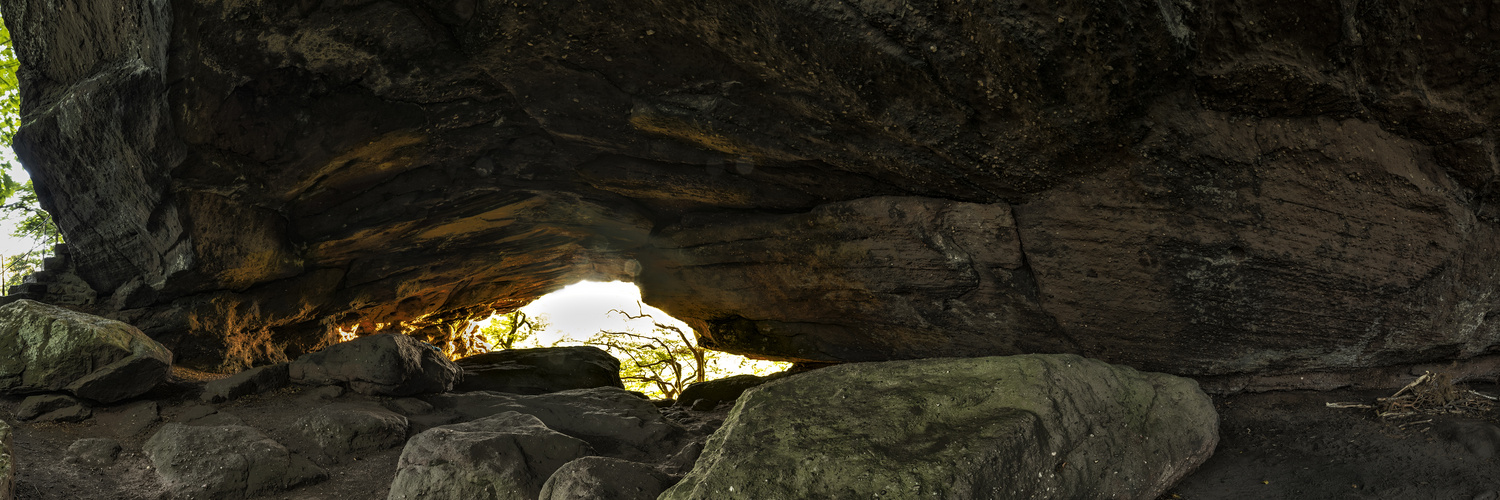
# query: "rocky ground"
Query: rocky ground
1273,445
106,416
45,468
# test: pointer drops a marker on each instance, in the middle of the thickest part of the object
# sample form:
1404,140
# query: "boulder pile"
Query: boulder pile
556,424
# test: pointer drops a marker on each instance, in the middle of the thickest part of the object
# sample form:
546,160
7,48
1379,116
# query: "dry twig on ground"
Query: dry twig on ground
1430,394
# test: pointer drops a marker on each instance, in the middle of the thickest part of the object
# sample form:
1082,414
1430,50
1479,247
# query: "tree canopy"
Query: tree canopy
10,109
18,200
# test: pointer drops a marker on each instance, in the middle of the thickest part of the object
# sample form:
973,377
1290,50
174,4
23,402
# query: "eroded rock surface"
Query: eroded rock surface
1206,189
1034,426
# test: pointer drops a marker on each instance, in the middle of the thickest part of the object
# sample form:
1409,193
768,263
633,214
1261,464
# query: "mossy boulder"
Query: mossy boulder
1031,426
45,348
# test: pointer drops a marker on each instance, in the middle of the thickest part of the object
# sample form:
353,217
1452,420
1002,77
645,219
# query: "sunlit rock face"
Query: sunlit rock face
1235,187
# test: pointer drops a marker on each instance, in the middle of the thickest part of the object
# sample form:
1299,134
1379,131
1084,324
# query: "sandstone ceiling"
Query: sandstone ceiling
1252,186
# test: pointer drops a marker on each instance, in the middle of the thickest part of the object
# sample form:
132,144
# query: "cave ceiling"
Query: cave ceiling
1250,186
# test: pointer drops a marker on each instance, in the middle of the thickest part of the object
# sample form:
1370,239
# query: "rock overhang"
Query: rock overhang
1240,188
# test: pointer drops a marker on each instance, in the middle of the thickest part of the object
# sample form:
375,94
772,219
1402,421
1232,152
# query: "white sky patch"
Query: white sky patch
580,310
11,245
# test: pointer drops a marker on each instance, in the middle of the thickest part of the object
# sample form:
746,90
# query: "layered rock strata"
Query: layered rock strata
1205,189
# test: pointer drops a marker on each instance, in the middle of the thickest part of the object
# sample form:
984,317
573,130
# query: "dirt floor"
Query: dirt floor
1280,445
1291,445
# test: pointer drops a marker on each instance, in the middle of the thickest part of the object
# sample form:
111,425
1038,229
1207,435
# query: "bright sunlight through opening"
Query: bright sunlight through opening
658,354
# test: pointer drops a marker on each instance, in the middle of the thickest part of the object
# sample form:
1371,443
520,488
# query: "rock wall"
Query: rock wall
1239,187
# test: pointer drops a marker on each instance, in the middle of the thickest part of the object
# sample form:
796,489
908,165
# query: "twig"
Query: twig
1412,385
1403,426
1349,405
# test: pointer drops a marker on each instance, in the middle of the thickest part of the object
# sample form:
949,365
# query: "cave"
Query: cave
1011,249
1245,188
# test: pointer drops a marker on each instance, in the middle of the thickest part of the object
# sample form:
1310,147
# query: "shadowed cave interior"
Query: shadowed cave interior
1232,198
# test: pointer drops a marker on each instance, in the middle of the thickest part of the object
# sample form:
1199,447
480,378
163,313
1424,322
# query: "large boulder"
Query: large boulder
615,422
541,370
1032,426
387,364
227,462
342,431
48,348
500,457
710,393
604,478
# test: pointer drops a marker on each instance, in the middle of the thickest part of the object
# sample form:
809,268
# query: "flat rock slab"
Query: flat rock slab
616,422
1033,426
42,404
388,364
97,452
541,370
504,456
45,348
229,462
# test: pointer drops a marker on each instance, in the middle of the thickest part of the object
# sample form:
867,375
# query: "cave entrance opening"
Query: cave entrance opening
658,354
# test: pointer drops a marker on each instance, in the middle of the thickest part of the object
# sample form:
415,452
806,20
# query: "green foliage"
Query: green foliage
17,267
665,361
10,108
512,330
23,209
34,224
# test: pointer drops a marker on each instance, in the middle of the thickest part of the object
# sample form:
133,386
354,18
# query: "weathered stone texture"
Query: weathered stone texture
1033,426
225,461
